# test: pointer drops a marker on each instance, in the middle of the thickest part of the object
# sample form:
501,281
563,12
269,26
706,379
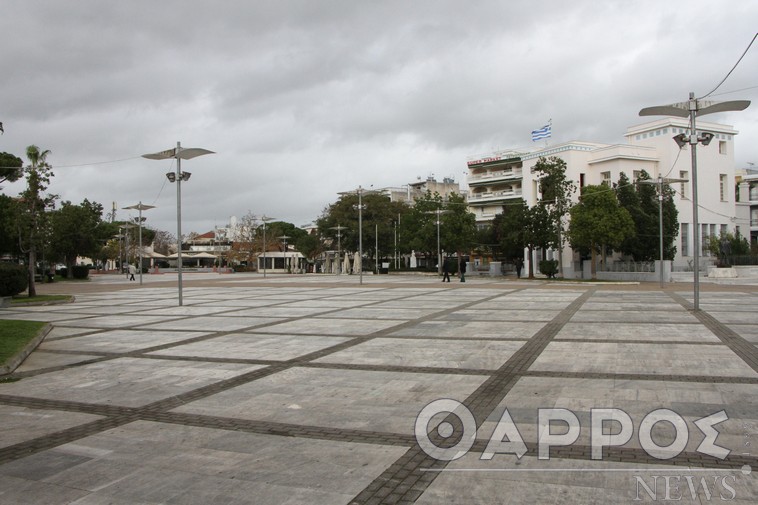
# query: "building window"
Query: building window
581,181
636,175
722,187
723,230
606,178
704,240
684,188
722,147
684,234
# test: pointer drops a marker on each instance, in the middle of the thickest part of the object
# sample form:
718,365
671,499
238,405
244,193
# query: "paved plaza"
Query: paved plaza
307,390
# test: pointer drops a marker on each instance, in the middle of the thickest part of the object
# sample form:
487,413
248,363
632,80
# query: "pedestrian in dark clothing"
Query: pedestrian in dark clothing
519,265
445,271
463,271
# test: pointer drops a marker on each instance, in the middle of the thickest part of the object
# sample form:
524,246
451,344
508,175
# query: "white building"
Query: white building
747,204
499,178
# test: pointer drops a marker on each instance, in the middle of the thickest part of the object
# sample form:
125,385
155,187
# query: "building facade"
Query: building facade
504,177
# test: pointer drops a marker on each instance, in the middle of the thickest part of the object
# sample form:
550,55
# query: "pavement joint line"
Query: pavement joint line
744,349
482,402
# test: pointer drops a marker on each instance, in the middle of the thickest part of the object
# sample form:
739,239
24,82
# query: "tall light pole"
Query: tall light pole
339,245
179,153
692,108
119,237
284,239
438,213
140,207
126,246
660,182
360,230
265,220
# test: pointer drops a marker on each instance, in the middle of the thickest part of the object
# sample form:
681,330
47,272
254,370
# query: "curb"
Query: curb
19,357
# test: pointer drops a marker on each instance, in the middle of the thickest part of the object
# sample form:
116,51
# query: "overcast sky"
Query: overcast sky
304,99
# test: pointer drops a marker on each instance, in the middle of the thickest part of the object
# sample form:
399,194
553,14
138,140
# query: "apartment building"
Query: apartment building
504,177
747,204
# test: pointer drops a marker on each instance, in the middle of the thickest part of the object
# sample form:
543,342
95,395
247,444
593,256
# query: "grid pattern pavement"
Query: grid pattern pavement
307,392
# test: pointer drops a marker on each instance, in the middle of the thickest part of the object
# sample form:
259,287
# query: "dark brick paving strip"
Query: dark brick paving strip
746,351
408,477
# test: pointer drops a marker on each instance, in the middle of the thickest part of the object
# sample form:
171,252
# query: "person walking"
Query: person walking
132,271
445,271
463,270
519,265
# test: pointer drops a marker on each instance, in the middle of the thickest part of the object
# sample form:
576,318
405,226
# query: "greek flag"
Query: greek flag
542,133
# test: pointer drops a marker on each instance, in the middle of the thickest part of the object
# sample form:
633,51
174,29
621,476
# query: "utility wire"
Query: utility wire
732,70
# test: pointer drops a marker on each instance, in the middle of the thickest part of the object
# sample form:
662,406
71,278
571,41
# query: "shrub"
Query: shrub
62,272
13,279
80,272
549,268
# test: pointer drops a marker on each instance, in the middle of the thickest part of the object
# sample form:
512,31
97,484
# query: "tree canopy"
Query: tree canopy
598,221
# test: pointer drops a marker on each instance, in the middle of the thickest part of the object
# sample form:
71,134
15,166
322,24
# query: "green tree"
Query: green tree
10,167
522,227
378,216
556,191
418,228
9,239
30,219
75,232
458,227
598,221
641,201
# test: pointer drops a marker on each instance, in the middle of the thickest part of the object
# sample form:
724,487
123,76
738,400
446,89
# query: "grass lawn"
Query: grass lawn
22,299
14,335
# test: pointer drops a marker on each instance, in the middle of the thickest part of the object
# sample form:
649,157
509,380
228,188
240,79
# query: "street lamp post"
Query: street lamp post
119,237
265,220
284,239
179,153
438,213
339,245
140,207
360,231
690,109
660,182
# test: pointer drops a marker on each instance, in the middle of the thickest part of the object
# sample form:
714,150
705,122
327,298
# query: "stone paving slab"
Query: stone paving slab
305,389
119,340
20,423
41,359
147,462
364,400
332,326
626,358
471,480
129,382
252,346
637,398
470,329
208,323
471,354
654,332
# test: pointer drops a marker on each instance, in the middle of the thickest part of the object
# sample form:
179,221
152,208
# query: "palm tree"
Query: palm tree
37,178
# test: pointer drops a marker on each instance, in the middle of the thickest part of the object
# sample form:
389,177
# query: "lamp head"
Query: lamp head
706,138
682,140
171,176
186,175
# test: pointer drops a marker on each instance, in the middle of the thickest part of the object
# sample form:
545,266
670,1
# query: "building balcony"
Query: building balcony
495,176
493,196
